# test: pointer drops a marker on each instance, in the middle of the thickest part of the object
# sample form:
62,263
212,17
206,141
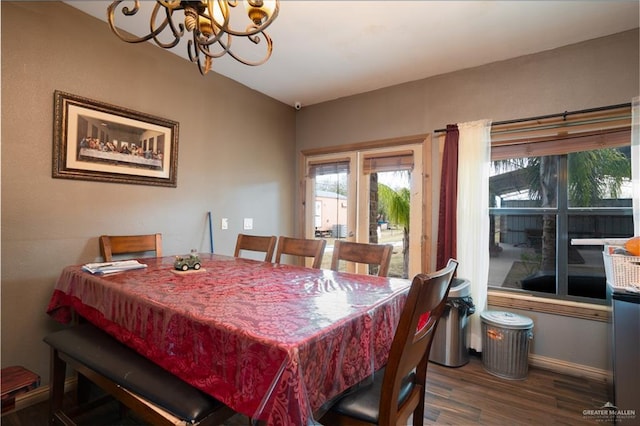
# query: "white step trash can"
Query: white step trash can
505,344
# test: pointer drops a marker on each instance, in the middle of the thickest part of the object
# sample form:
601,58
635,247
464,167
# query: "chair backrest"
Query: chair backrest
129,244
301,247
411,344
256,243
369,254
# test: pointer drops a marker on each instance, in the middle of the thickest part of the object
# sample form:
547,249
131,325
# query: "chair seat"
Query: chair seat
91,347
362,401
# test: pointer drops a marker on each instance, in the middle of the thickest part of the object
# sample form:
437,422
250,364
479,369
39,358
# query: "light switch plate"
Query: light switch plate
224,223
248,223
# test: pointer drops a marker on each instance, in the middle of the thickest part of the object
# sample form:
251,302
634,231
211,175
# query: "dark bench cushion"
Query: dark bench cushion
102,353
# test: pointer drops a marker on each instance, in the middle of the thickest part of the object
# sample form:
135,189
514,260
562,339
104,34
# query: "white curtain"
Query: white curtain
635,162
474,161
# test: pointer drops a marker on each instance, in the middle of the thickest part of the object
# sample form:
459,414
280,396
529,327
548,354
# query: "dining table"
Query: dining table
272,341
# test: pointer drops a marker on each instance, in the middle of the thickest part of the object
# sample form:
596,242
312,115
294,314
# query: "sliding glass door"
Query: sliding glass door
372,196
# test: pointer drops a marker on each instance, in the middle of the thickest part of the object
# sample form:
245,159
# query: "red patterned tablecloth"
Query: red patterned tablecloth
271,341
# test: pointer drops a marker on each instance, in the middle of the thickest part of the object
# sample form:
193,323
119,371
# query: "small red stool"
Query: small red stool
15,381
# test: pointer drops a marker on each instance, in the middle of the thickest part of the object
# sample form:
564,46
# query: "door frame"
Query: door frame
427,237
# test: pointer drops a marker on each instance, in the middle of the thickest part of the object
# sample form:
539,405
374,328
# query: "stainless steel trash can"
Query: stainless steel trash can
505,344
449,347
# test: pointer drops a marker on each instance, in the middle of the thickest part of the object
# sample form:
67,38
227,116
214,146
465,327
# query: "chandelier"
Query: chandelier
209,22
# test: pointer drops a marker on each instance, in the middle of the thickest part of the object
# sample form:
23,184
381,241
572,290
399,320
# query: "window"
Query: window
552,182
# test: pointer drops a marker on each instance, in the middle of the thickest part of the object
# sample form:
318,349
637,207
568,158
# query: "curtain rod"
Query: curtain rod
561,114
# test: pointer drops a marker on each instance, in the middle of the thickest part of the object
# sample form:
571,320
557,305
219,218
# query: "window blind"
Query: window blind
388,162
562,135
328,168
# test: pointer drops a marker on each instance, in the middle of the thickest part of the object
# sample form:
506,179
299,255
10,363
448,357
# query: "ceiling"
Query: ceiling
325,50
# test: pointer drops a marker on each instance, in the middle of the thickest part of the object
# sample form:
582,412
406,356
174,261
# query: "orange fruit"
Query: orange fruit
633,246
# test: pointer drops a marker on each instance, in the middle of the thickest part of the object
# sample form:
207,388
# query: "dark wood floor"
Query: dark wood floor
469,395
466,395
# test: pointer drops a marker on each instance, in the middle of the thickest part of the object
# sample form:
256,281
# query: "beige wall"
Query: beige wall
590,74
225,166
596,73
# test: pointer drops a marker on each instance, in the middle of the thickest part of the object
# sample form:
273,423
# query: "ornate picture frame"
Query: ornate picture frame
97,141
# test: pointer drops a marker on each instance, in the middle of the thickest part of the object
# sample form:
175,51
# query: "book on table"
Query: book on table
104,268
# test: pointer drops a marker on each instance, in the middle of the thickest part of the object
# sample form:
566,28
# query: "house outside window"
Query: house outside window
576,185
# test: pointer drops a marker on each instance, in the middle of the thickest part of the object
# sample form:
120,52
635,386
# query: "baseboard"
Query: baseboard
41,394
569,368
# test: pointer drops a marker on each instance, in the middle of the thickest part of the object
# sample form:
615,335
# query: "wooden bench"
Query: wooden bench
151,392
16,380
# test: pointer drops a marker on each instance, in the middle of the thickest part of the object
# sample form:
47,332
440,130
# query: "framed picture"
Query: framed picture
96,141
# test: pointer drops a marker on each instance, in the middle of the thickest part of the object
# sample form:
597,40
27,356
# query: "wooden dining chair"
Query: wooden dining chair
301,247
369,254
111,245
256,243
398,389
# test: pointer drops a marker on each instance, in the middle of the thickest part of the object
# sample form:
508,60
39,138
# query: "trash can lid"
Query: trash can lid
506,319
460,287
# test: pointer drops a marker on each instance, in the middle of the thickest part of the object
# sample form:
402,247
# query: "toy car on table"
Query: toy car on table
184,263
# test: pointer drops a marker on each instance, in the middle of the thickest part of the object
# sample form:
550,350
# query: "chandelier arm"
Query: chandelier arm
194,56
259,62
153,32
177,32
194,49
226,49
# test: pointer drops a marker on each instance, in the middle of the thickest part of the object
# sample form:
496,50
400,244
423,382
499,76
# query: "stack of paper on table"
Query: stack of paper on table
112,267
